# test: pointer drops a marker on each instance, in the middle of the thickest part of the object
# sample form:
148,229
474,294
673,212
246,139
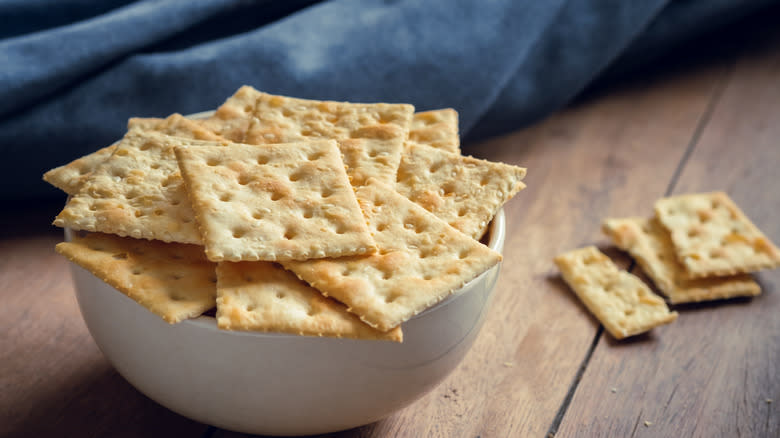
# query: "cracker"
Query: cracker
463,191
281,119
371,158
174,281
231,120
712,236
289,201
649,243
371,135
620,300
421,261
70,177
263,296
437,128
143,123
137,192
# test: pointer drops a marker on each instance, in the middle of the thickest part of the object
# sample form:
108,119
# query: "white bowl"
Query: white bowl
281,384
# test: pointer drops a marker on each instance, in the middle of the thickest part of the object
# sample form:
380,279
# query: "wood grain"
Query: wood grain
714,372
585,163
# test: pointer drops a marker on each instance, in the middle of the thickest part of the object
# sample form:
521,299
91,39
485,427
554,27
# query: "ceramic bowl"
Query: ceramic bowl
281,384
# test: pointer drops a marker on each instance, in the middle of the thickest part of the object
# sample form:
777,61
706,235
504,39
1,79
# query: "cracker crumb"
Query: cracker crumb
509,364
768,401
648,423
613,389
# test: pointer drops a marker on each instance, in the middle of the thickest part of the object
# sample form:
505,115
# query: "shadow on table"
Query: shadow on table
94,402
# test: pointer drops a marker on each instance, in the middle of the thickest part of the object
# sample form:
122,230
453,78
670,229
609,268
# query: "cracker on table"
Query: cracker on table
289,201
137,192
618,299
421,260
70,177
436,128
649,243
712,236
174,281
463,191
263,296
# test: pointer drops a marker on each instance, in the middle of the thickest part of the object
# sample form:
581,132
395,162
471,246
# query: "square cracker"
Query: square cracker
620,300
282,119
263,296
712,236
421,261
437,128
137,192
289,201
70,177
370,135
463,191
649,243
174,281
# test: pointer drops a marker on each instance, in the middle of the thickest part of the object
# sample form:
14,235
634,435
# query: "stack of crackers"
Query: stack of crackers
287,215
698,247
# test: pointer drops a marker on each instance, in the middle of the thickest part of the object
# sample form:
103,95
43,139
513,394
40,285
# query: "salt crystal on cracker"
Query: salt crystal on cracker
263,296
712,236
463,191
289,201
649,243
620,300
421,261
174,281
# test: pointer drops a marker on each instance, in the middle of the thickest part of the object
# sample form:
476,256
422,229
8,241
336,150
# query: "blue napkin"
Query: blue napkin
73,71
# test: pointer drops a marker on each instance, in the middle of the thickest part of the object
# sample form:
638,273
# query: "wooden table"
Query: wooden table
542,365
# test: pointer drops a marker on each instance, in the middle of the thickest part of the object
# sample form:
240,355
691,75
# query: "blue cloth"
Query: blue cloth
73,71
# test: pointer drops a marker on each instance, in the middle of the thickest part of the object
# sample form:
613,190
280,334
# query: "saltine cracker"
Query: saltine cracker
289,201
649,243
618,299
263,296
712,236
173,281
421,260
